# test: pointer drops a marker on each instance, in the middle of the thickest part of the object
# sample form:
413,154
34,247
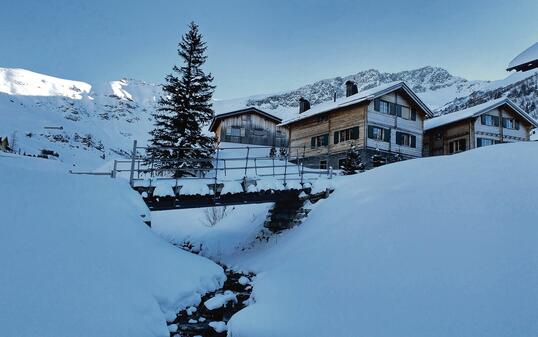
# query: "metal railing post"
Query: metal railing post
114,172
246,161
285,168
133,158
216,168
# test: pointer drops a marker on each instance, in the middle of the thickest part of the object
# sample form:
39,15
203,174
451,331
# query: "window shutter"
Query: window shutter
386,135
483,119
376,104
413,141
516,124
399,110
326,139
336,137
479,142
370,131
313,142
496,120
398,138
413,115
392,109
355,133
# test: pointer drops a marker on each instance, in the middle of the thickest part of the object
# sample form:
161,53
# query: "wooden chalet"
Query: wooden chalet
386,120
493,122
249,126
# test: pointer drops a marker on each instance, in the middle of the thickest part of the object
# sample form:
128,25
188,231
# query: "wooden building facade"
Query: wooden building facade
386,120
493,122
249,126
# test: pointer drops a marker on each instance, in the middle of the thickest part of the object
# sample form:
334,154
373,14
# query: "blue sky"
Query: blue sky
265,46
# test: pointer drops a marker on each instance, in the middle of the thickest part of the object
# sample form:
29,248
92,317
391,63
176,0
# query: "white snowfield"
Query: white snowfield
28,83
443,246
77,260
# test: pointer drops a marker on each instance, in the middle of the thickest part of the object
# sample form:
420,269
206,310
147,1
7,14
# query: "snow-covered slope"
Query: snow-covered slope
27,83
447,251
522,88
77,260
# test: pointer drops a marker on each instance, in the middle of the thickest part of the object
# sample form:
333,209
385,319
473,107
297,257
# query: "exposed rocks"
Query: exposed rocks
210,317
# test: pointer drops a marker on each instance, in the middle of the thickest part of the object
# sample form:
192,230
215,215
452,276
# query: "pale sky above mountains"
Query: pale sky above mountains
265,46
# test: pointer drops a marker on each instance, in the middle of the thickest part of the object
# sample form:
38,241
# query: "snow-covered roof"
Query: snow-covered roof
476,111
363,96
527,60
218,117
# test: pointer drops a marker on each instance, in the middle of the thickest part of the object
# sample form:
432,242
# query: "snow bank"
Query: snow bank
234,232
440,247
77,260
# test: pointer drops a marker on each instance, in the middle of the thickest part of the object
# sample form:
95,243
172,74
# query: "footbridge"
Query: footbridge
234,175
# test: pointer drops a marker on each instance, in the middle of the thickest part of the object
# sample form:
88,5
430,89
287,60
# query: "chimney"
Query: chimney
304,105
351,88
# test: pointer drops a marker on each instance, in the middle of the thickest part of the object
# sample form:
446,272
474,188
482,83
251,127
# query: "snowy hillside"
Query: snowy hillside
89,125
445,252
77,260
521,88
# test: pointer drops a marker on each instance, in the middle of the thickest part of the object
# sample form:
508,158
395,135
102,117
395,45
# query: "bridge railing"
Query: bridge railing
232,163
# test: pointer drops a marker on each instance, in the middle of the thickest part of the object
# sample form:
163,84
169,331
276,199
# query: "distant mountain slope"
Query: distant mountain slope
422,81
88,125
523,92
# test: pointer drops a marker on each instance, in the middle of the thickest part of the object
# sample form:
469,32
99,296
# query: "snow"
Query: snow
27,83
236,231
218,326
76,258
474,111
527,56
441,246
220,300
243,280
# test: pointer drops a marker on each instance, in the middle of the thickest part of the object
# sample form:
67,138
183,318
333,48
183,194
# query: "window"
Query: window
405,112
319,141
486,142
235,131
279,134
345,135
323,118
395,109
489,120
438,136
378,133
510,123
341,163
384,107
406,139
456,146
322,164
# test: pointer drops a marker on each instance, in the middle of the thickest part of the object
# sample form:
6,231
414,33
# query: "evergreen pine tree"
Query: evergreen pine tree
178,143
352,163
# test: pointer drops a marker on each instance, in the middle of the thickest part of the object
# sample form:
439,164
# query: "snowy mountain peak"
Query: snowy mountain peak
28,83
